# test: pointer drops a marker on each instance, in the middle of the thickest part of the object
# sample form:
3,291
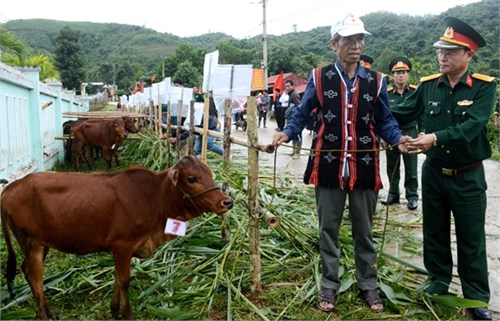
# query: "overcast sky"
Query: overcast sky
238,18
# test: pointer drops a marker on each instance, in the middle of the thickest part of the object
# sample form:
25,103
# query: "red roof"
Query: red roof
301,88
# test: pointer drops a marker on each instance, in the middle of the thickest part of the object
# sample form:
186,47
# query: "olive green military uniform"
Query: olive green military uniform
393,155
453,177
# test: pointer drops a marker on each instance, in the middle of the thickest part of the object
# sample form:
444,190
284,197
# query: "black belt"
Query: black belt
455,171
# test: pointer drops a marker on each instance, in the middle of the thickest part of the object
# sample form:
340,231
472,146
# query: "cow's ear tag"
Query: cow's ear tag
175,227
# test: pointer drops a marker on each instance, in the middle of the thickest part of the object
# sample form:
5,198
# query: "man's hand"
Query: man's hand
421,144
403,141
280,138
384,144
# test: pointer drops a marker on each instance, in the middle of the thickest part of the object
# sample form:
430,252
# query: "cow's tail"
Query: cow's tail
10,272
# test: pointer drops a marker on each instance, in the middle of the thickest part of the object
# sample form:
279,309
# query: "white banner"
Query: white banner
211,62
164,94
231,81
180,93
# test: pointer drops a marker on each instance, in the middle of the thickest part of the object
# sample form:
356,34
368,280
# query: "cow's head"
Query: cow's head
130,124
119,128
193,178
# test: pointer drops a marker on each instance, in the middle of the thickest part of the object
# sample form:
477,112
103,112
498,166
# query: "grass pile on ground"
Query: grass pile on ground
200,277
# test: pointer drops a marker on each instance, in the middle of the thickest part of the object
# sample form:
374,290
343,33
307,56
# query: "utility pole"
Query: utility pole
162,66
114,82
264,42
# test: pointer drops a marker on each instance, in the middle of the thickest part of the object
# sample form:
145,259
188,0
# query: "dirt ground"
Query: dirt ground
296,168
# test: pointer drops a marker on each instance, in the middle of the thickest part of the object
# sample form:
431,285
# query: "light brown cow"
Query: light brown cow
123,213
105,134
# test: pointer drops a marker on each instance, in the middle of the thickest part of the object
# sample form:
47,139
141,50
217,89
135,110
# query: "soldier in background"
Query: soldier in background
366,61
400,68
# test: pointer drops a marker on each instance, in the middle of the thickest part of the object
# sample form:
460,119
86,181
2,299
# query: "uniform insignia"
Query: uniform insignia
482,77
390,88
468,81
448,33
465,102
434,103
413,86
431,77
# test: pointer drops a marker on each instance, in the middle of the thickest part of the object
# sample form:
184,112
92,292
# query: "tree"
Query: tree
47,68
190,75
9,44
69,58
230,53
14,53
183,53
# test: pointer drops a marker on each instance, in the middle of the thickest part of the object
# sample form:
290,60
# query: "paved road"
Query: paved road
296,168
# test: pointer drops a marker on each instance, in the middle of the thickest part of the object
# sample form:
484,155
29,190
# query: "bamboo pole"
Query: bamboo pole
271,220
253,202
269,148
191,137
169,131
225,233
179,123
158,119
101,114
204,138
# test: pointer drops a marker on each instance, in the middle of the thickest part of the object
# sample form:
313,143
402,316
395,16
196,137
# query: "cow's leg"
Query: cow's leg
80,151
76,150
120,300
88,156
108,156
115,153
33,270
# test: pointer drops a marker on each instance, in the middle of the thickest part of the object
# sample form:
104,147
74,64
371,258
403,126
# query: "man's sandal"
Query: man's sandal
328,296
372,300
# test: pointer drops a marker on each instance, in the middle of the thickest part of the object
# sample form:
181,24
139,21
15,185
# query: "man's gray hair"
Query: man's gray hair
336,37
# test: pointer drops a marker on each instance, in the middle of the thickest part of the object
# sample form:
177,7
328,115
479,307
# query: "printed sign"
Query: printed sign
175,227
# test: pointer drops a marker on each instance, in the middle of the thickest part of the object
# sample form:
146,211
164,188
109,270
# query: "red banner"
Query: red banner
279,83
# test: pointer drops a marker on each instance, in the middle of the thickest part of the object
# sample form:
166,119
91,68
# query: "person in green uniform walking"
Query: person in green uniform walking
400,68
456,105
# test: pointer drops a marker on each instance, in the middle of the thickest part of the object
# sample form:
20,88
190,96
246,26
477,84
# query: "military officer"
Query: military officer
456,105
366,61
400,68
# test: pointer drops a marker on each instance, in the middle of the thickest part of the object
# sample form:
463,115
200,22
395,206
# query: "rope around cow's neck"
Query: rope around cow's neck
191,198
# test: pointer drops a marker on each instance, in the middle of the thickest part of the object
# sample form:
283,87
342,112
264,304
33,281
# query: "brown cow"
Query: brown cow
105,134
129,123
124,213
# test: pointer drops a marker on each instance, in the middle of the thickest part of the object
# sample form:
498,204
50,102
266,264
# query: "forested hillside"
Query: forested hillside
144,50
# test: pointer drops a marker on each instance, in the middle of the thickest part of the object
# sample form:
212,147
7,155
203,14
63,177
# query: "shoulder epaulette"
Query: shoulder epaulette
390,88
431,77
413,86
482,77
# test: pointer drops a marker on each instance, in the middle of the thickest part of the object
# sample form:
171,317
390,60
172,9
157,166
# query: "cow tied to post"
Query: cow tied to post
123,212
